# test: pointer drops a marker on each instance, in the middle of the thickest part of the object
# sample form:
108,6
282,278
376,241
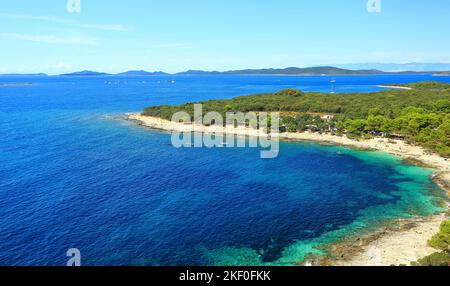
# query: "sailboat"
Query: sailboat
333,81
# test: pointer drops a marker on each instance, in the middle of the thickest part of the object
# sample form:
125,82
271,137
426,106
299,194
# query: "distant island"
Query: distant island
311,71
442,74
86,73
293,71
395,67
326,70
141,73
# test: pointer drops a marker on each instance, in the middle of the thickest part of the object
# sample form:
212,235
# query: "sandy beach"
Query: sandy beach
161,124
394,87
405,242
391,248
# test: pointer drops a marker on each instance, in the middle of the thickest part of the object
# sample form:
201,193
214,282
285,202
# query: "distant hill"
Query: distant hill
141,73
326,70
85,73
127,73
392,67
351,69
199,72
442,74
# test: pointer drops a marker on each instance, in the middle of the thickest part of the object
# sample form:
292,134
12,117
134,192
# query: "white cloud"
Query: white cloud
105,27
50,39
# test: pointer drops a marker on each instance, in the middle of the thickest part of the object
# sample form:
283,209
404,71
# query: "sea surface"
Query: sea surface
75,174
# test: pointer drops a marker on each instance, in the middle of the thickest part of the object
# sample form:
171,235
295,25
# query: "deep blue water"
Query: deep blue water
74,174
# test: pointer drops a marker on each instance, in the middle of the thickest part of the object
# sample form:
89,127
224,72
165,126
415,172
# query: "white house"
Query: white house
328,117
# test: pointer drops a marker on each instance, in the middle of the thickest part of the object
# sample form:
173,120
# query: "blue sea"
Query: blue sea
75,174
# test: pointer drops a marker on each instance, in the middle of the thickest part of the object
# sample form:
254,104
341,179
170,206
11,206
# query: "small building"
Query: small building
397,136
378,134
313,128
328,117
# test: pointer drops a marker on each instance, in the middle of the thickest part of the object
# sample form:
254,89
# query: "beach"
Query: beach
395,87
392,247
404,242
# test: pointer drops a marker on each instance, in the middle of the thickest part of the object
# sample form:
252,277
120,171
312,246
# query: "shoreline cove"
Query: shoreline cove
406,241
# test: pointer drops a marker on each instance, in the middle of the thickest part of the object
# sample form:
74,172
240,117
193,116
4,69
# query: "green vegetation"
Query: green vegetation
442,239
435,259
420,115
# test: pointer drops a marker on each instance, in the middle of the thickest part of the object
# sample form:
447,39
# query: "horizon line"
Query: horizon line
335,66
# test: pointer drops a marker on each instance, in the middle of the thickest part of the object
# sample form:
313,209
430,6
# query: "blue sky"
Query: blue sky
176,35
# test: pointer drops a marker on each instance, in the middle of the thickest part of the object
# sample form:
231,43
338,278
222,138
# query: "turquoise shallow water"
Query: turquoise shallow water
74,174
415,195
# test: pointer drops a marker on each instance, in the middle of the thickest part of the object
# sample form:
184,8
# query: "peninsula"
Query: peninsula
411,121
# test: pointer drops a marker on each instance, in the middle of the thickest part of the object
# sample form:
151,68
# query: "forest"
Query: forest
420,115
